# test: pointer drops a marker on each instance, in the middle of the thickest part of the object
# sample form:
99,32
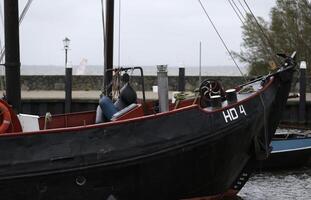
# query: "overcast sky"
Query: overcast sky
152,31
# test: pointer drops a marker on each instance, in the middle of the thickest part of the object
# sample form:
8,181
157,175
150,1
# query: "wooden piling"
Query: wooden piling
68,90
302,92
181,80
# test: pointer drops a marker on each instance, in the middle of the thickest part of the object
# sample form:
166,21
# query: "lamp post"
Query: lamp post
68,78
66,42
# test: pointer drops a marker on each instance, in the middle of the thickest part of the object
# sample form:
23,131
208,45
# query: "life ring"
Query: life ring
6,118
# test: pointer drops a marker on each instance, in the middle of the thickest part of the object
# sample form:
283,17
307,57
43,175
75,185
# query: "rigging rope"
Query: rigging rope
267,51
263,32
2,48
237,14
243,22
21,18
104,89
25,10
222,40
119,39
1,15
238,9
2,23
264,39
242,6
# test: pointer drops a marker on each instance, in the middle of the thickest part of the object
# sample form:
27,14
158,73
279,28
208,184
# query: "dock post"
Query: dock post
68,89
302,92
163,88
181,79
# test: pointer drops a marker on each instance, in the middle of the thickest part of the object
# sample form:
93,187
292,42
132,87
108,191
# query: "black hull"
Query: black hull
184,169
172,174
181,154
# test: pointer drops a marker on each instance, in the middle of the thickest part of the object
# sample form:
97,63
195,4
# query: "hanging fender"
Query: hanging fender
6,118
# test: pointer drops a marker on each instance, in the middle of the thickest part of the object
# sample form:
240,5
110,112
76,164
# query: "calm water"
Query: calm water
279,185
282,185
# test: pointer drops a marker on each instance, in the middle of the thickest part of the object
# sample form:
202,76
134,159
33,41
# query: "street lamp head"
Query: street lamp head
66,42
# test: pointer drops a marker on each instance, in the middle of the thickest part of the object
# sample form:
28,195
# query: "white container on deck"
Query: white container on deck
29,123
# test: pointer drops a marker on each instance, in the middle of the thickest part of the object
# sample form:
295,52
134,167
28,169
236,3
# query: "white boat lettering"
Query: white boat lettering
233,113
242,110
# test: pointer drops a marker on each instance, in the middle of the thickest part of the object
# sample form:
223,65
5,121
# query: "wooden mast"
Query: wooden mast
12,54
109,46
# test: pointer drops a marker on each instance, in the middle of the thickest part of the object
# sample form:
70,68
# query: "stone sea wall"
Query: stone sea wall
95,82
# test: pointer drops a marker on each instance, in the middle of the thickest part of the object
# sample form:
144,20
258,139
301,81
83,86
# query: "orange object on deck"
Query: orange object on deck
6,118
9,120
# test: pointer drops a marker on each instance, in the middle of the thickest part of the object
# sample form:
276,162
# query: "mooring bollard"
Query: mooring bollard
302,92
68,89
181,80
162,87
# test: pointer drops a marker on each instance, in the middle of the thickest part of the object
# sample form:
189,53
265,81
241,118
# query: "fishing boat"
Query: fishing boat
191,150
198,147
289,150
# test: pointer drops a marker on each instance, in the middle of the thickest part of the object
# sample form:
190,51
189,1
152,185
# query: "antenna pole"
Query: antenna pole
200,63
119,35
12,54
